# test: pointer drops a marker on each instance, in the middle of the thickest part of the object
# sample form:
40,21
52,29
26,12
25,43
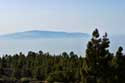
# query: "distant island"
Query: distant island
43,34
98,65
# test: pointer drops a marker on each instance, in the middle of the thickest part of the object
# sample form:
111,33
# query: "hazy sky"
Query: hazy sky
62,15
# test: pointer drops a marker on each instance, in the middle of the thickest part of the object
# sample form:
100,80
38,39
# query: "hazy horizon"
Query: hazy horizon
62,15
42,31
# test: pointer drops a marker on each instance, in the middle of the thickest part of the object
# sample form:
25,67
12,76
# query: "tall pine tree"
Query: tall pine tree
120,66
97,67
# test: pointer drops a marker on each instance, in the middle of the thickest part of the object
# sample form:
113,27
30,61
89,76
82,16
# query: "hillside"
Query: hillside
43,34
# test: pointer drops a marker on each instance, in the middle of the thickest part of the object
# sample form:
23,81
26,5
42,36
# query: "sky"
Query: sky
62,15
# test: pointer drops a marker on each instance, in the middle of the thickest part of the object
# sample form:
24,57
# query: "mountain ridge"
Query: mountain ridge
43,34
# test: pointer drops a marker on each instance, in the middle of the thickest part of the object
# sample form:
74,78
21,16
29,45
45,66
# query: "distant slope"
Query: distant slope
43,34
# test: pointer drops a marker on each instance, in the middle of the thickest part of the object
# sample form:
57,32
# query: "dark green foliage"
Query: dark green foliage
41,66
98,67
120,66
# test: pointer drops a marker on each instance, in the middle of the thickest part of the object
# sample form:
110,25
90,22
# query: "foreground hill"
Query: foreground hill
43,34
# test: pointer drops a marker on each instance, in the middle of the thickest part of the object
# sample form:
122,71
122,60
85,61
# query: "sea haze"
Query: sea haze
52,42
47,41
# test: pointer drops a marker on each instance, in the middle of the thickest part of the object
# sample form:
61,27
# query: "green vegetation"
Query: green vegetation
41,66
101,66
98,66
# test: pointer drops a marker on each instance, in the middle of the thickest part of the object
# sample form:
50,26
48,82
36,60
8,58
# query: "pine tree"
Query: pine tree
97,66
120,69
